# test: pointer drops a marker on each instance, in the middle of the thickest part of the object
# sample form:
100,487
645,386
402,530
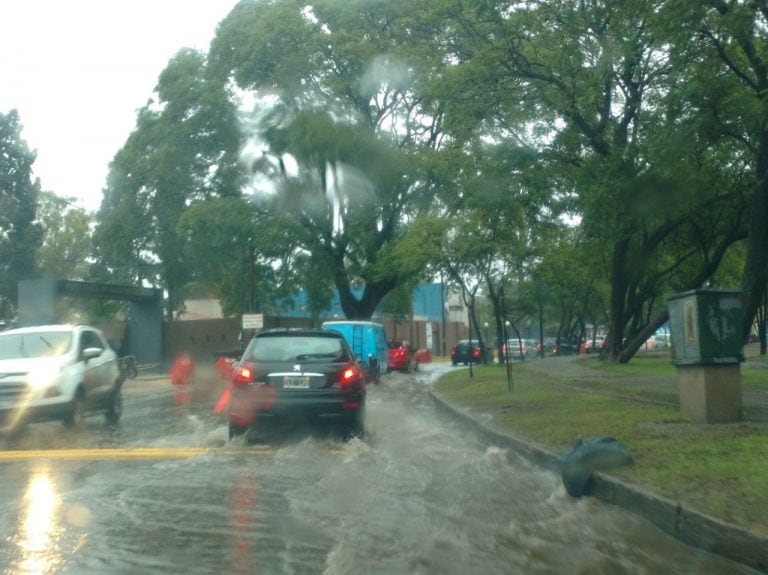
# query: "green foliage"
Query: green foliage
20,235
66,239
393,141
343,109
184,149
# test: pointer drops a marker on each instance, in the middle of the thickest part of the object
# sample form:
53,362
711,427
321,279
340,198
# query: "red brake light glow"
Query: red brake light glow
242,375
350,376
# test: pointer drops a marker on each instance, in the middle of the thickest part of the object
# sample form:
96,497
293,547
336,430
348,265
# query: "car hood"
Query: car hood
27,364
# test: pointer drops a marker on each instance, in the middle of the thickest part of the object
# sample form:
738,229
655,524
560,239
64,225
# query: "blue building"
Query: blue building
428,303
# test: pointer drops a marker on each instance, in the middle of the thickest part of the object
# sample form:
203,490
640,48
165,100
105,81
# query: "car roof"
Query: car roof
286,331
45,328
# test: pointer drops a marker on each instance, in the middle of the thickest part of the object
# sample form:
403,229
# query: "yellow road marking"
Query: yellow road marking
136,453
126,453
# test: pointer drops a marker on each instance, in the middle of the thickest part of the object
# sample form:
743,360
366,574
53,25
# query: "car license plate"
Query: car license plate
296,382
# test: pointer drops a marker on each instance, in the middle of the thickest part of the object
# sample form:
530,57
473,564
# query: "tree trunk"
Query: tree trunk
613,343
755,277
642,336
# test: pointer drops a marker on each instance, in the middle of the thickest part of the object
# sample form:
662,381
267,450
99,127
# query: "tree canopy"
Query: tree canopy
577,160
20,235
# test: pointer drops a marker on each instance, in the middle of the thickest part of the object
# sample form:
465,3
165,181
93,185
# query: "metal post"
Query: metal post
507,356
471,375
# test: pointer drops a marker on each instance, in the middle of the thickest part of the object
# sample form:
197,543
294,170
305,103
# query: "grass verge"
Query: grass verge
721,470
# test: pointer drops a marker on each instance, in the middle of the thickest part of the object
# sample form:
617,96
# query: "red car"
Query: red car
401,357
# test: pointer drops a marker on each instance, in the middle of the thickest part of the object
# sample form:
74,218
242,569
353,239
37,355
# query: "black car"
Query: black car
554,348
460,353
297,376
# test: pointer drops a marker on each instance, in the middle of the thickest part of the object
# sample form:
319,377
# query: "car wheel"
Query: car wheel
115,409
354,426
76,414
236,430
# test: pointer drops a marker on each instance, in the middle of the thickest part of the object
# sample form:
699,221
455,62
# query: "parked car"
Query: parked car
291,376
656,343
515,349
533,346
368,341
402,357
564,348
553,348
464,354
57,372
592,345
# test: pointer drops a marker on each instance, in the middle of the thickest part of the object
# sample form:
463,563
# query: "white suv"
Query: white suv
57,372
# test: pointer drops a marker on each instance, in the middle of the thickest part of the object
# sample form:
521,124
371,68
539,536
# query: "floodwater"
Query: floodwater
166,493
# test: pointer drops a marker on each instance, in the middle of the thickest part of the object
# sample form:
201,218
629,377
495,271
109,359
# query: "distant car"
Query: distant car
57,372
656,343
592,345
533,346
402,357
297,376
462,353
554,349
515,349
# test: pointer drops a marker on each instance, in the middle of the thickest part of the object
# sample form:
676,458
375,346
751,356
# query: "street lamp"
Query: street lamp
485,337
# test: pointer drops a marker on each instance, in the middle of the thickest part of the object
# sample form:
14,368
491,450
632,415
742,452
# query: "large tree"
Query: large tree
729,39
20,235
340,134
184,149
591,83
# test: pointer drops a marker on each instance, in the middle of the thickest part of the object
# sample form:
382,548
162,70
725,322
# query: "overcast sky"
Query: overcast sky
77,71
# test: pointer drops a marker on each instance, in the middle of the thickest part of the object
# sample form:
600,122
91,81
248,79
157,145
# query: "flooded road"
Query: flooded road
166,493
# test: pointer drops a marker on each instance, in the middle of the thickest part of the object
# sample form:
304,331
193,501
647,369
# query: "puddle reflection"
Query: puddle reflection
40,530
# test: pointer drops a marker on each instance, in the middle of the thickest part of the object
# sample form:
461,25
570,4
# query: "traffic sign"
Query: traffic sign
253,320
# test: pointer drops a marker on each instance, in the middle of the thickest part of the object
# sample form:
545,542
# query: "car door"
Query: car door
96,370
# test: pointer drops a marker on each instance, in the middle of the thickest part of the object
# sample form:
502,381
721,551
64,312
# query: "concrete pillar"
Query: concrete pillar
710,393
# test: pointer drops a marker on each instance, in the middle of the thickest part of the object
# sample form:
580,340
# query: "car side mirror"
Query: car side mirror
91,352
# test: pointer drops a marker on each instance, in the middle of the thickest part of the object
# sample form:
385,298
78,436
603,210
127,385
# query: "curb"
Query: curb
684,524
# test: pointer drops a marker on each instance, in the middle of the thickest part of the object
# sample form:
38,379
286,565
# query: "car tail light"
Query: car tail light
243,375
351,376
475,353
398,353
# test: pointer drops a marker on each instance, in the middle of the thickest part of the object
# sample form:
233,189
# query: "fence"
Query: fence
203,337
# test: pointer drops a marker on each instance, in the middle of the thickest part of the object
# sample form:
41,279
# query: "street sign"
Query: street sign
253,320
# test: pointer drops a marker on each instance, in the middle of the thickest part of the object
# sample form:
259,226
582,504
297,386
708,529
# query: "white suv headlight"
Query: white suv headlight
43,380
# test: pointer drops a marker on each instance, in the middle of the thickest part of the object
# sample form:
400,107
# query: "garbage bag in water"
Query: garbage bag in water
587,456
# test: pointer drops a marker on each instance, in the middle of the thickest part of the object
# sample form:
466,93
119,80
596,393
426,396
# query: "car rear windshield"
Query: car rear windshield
37,344
306,348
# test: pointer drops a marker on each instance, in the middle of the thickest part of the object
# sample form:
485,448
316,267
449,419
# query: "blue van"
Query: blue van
368,341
